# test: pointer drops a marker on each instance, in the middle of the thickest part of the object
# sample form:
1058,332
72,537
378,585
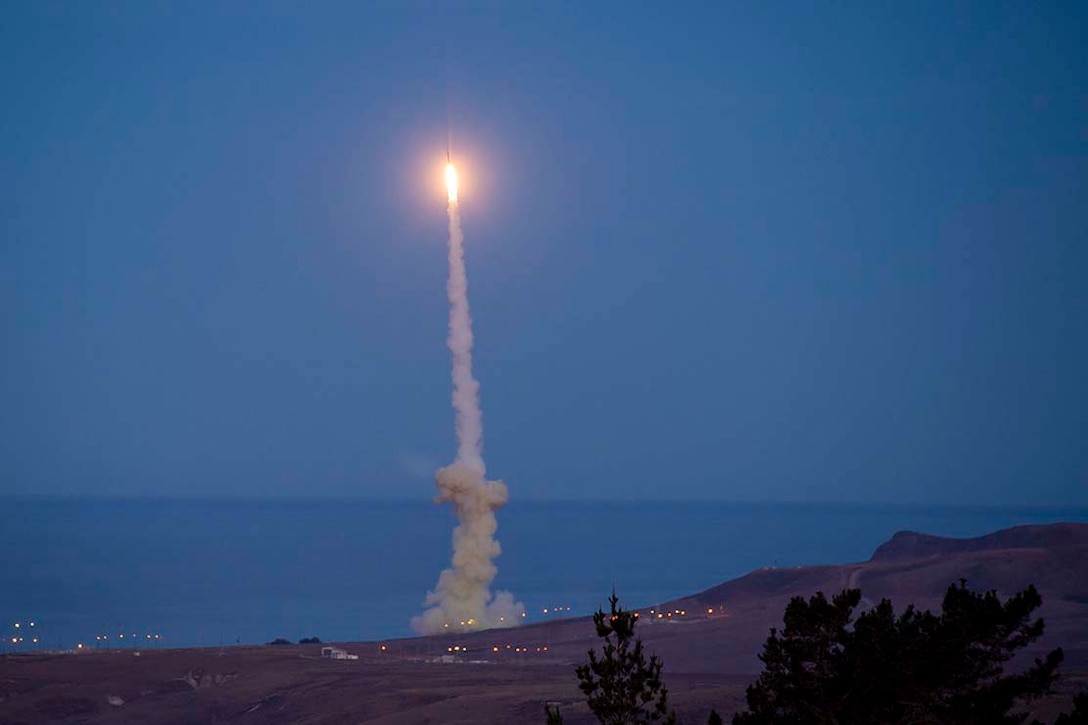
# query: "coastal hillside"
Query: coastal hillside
910,568
913,545
709,642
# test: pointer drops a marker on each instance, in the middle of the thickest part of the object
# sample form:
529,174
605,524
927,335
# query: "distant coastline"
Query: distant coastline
202,571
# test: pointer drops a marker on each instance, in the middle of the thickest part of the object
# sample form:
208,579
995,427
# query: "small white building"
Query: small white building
334,653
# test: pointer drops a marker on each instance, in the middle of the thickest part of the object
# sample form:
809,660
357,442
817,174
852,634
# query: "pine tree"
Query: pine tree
917,667
621,686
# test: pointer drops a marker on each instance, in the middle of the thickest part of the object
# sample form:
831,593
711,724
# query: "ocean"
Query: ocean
170,573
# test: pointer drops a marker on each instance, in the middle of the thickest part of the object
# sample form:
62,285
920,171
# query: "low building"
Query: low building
334,653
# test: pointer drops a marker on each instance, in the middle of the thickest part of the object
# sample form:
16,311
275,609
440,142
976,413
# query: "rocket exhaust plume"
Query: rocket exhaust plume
462,599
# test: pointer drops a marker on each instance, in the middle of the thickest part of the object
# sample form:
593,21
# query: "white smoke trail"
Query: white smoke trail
462,599
466,391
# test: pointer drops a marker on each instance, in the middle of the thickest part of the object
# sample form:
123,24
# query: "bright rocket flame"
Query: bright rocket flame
451,182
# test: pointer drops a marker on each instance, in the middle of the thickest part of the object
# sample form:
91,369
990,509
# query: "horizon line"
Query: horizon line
295,499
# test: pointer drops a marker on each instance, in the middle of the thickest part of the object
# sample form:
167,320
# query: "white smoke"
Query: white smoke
466,391
462,599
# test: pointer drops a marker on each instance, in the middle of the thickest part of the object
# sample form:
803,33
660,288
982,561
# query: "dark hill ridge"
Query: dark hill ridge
912,545
985,561
911,568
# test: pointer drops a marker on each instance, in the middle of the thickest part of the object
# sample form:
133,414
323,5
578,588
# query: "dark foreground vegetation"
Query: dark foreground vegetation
828,666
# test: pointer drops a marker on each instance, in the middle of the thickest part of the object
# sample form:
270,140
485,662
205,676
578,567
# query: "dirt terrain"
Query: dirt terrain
709,644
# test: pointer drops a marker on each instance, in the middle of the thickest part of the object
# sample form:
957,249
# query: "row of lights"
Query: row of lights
17,639
654,614
496,649
472,622
132,637
460,649
103,638
555,610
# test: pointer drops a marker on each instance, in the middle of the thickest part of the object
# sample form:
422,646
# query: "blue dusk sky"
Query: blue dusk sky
753,251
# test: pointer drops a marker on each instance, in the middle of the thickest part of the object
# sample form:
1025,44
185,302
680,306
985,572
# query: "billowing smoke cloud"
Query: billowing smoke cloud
462,599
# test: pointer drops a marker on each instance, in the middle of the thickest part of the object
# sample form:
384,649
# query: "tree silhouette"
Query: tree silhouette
621,686
918,667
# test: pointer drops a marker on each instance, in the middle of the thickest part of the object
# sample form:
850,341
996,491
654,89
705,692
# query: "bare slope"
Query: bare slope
910,568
